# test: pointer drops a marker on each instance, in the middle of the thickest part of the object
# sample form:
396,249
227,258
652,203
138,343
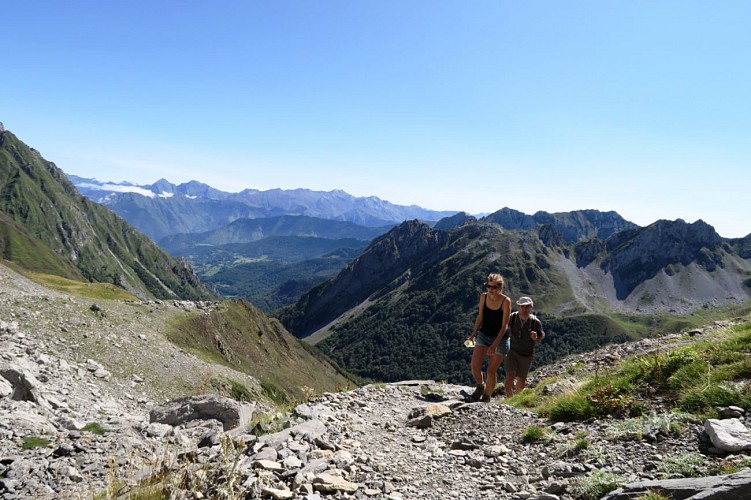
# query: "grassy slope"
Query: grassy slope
239,335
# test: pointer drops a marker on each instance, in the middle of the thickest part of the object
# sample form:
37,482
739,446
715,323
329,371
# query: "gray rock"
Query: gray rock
24,384
731,487
232,414
728,435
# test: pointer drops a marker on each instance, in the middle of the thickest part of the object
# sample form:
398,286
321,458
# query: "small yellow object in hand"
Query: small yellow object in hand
469,343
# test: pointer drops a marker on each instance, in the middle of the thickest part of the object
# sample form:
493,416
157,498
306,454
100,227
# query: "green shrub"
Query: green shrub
31,442
533,434
608,400
581,444
733,370
595,486
684,466
687,376
240,392
526,399
704,398
94,428
274,393
571,408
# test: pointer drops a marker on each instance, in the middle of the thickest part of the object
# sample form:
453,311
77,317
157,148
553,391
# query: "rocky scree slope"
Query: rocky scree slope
102,428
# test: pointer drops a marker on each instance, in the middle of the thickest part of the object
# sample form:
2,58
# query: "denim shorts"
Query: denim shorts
504,345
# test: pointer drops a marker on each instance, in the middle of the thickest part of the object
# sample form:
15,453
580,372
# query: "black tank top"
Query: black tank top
492,320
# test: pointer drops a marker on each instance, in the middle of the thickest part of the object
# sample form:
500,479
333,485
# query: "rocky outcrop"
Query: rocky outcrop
230,413
511,219
448,223
579,225
638,255
411,247
730,487
729,435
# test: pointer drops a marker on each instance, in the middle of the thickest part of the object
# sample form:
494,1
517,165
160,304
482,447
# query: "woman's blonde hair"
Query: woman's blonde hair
495,277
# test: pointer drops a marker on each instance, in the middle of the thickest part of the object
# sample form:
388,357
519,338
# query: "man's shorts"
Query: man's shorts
518,364
503,346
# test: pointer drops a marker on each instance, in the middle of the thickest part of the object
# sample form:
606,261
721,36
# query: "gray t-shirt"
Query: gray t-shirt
521,341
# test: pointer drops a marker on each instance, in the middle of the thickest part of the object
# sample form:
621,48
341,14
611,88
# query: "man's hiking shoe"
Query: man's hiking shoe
475,396
485,398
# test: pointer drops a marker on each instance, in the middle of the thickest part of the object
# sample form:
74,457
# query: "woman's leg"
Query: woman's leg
478,356
493,364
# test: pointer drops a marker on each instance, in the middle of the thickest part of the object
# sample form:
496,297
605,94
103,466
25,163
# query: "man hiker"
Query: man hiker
525,330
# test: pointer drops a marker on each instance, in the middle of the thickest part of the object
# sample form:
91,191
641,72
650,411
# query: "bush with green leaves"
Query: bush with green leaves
689,465
534,433
695,379
570,408
32,442
633,429
94,428
595,486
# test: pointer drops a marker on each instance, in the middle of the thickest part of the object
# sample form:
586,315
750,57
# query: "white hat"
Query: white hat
524,301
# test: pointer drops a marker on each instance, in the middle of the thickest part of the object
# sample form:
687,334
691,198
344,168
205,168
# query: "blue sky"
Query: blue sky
642,107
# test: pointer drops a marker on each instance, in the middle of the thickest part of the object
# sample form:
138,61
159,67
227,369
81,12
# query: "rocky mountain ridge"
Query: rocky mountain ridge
667,266
74,426
420,279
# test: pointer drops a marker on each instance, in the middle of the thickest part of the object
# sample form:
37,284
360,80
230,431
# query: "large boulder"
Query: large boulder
232,414
728,435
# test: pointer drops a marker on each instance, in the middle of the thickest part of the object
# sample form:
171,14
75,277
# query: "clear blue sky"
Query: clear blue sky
637,106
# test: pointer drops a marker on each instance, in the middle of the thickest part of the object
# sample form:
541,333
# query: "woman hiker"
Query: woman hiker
488,335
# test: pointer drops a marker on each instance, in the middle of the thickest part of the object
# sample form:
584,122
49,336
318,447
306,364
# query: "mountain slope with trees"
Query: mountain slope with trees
49,227
402,309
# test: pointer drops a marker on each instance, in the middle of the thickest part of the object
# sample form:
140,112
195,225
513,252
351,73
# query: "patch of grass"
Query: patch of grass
578,445
94,428
528,398
653,495
534,434
633,429
32,442
171,477
688,465
274,393
581,444
240,392
570,408
731,465
595,486
238,335
696,379
103,291
703,398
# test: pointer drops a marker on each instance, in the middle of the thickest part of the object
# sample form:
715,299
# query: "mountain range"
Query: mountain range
194,207
389,299
403,308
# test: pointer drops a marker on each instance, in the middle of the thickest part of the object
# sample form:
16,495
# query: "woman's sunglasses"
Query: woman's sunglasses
494,287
